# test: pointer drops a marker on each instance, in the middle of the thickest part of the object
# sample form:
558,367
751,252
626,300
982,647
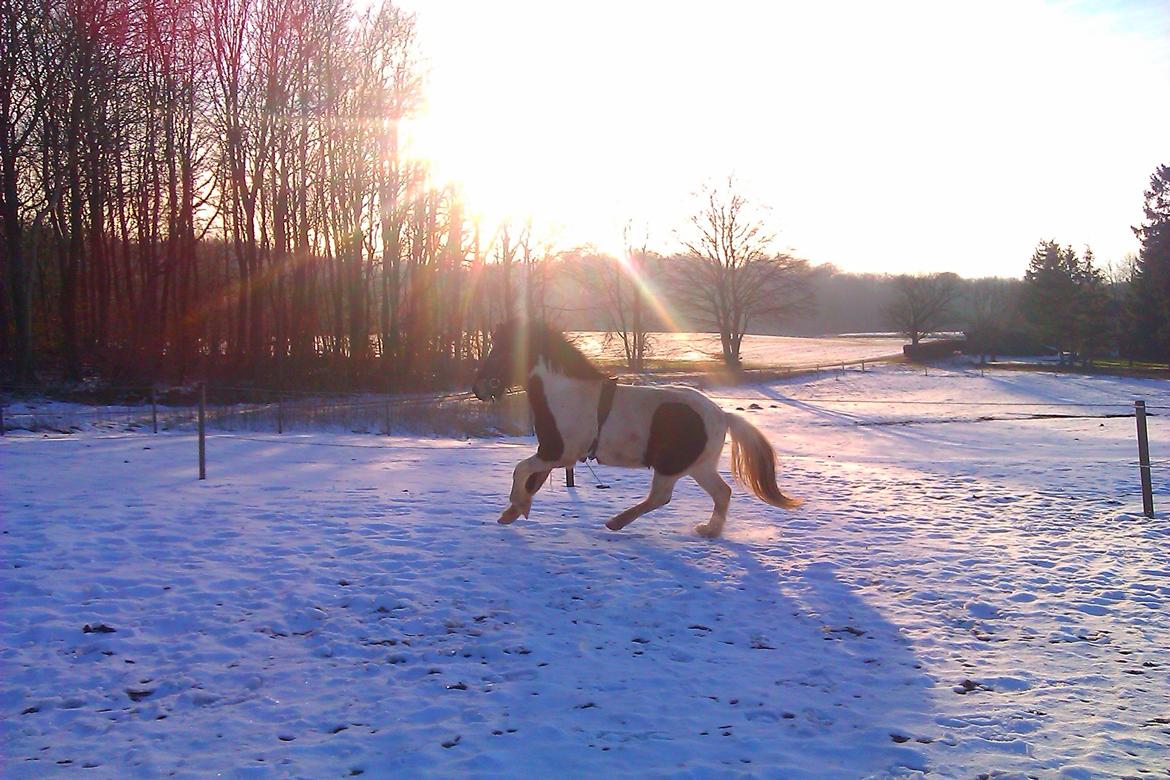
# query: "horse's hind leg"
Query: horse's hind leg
661,489
707,475
528,477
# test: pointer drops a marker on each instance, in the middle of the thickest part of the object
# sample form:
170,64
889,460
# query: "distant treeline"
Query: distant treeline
216,189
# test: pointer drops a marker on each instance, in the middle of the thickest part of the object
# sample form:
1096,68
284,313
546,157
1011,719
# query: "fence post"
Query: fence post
153,410
202,433
1144,458
386,417
570,480
279,413
1,419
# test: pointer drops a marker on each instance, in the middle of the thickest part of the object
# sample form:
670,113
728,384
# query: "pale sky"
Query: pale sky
883,136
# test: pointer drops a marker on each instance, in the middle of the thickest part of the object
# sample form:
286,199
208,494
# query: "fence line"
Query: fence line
381,414
278,439
503,417
745,399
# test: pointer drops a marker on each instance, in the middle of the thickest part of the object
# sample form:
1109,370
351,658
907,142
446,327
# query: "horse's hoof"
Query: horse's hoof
509,515
615,524
707,531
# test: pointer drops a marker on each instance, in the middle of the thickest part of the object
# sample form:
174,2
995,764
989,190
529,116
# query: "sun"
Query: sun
485,161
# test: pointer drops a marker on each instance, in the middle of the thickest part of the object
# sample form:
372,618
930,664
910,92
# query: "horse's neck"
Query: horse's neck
569,390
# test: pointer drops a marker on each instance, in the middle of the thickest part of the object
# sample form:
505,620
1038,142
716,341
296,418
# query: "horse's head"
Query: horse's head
507,364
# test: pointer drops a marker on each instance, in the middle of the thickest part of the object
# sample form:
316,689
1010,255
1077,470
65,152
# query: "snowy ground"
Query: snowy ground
958,596
771,351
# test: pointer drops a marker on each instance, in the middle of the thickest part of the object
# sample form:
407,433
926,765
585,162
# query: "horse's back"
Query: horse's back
667,428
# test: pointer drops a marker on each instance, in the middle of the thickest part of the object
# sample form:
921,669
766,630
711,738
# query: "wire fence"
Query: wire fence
446,414
460,414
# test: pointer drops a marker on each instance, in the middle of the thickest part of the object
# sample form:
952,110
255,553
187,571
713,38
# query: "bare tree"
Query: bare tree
628,300
537,253
621,284
732,275
21,105
610,297
922,304
217,186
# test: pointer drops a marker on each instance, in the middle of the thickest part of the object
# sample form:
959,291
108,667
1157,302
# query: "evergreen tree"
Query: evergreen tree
1093,325
1066,300
1148,308
1050,294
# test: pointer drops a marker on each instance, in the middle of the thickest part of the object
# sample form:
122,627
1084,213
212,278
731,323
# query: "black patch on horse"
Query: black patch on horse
552,446
677,438
535,481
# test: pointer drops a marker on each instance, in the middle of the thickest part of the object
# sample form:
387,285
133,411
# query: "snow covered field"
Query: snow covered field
959,595
786,351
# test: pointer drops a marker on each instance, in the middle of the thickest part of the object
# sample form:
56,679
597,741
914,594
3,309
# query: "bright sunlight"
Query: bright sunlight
879,133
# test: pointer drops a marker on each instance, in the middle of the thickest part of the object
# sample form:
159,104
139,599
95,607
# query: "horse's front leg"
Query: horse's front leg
528,477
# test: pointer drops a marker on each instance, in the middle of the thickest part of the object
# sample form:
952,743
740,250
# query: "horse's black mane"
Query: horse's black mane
549,344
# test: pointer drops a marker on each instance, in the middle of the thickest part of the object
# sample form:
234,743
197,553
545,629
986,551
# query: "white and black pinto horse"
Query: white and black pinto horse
579,412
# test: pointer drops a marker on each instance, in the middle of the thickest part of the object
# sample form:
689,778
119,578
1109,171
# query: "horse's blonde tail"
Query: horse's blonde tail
753,462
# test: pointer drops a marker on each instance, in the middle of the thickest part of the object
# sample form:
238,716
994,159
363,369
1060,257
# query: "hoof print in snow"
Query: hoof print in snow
30,710
355,772
967,686
100,628
755,406
138,694
1092,636
899,738
285,737
587,705
459,686
452,742
759,643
